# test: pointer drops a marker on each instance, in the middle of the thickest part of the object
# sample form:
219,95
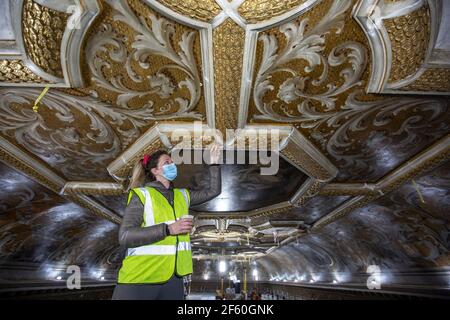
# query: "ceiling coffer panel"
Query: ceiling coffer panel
40,228
138,59
314,62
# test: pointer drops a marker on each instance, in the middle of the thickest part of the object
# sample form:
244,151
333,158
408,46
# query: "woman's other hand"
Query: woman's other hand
181,226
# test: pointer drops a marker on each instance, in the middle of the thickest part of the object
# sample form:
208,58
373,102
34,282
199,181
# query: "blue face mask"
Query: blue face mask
170,171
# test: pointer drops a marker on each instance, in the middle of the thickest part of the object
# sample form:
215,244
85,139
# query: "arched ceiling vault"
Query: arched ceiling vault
358,90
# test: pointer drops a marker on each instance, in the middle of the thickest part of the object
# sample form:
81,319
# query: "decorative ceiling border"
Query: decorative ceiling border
288,142
36,170
160,134
88,10
241,12
84,14
92,188
300,152
372,16
295,224
366,193
439,151
229,40
229,10
186,135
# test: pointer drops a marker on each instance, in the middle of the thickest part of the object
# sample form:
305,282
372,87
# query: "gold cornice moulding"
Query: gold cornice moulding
300,152
409,36
203,10
161,136
189,135
28,49
42,31
256,11
93,188
385,25
256,213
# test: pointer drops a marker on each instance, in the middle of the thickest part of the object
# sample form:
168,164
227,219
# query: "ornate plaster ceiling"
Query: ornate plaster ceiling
358,89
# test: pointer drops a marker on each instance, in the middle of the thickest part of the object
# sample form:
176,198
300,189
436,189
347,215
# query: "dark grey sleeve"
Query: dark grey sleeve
131,234
215,187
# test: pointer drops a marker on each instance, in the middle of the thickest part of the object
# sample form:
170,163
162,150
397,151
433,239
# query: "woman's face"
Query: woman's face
163,160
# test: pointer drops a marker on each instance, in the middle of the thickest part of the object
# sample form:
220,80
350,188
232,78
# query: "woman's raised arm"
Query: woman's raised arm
215,187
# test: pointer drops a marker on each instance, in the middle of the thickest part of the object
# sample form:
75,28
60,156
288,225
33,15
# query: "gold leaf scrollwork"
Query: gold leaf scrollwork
135,61
307,44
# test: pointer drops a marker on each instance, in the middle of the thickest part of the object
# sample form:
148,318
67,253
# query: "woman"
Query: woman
156,234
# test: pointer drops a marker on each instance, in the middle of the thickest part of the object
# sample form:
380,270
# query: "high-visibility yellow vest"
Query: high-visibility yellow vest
157,262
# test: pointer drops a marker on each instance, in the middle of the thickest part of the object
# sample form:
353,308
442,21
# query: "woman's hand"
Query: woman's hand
215,153
181,226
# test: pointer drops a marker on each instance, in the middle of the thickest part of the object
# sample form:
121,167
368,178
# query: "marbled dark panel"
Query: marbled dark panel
117,204
40,228
369,140
395,232
59,233
18,191
243,187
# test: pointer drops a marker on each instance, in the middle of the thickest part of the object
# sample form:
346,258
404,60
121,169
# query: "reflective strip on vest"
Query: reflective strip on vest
184,246
158,249
184,193
148,208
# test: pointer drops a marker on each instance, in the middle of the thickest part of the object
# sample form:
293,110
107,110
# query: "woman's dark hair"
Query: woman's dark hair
152,162
142,169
